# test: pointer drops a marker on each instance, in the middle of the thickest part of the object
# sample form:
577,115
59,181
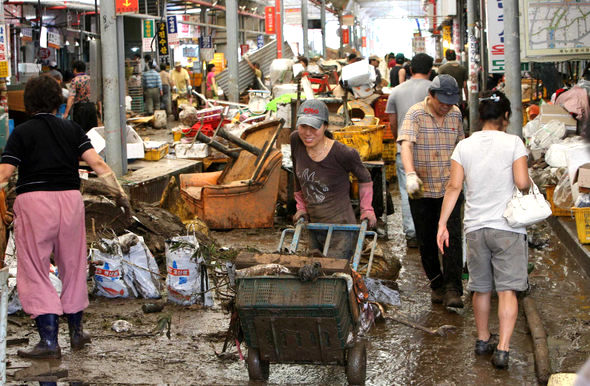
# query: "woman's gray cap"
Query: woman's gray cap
313,113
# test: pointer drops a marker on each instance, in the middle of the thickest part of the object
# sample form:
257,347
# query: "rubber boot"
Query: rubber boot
48,347
78,338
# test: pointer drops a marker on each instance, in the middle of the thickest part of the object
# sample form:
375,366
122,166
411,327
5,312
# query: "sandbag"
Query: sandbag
109,275
187,280
141,268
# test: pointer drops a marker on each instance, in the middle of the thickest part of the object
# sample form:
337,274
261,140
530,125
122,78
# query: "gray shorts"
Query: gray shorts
497,259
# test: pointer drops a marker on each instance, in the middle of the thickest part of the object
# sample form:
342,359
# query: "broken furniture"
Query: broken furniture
244,194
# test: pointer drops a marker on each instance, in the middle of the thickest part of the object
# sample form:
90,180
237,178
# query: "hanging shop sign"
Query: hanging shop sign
172,31
205,42
3,43
364,41
345,36
162,39
27,34
260,41
4,69
148,34
418,44
495,25
184,29
53,39
269,20
126,6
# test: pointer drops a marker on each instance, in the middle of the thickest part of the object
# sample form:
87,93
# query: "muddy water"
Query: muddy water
398,355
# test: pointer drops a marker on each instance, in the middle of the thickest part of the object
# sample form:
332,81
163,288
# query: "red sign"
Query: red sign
269,20
126,6
364,41
345,36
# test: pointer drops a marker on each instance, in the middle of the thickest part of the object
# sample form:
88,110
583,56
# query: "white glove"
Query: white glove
413,185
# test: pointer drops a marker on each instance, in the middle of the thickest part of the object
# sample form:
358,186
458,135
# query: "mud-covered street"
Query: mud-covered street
397,354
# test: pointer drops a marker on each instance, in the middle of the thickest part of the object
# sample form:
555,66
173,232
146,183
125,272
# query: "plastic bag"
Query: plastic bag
379,292
583,201
548,134
531,128
109,276
141,269
562,196
187,280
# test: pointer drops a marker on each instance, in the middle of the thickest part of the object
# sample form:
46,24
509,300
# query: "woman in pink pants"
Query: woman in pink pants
49,214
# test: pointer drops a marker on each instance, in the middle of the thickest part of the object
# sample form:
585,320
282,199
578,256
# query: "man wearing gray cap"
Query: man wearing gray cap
322,167
430,131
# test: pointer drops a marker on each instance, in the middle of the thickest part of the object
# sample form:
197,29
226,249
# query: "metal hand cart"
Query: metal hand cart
286,320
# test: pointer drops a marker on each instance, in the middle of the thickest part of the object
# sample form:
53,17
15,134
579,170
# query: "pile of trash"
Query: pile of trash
556,155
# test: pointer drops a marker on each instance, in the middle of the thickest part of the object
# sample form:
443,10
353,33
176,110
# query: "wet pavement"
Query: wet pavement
397,355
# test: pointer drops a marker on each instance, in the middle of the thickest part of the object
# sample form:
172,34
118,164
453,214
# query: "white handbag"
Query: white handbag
526,209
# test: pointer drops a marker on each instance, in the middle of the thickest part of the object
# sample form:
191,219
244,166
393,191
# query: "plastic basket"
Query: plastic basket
368,140
156,154
288,297
582,216
557,211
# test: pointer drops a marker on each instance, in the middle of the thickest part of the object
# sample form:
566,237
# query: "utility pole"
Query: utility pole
122,108
231,23
473,82
110,79
305,28
512,58
323,22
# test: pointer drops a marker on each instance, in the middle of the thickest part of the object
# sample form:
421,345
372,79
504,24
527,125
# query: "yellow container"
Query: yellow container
582,216
156,154
555,210
177,134
368,140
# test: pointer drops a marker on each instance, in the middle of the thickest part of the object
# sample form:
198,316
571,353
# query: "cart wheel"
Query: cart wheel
258,370
356,364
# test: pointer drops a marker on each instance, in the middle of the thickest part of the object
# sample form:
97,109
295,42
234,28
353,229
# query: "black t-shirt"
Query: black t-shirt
46,150
394,76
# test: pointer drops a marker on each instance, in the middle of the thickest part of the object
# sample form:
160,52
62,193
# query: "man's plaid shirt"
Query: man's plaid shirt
433,145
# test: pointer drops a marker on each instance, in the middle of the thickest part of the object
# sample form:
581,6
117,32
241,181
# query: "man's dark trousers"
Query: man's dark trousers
425,213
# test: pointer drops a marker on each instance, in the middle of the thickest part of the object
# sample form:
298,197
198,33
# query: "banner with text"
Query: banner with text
269,20
495,24
162,39
148,34
172,31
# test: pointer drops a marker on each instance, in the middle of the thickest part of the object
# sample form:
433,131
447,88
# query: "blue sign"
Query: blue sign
260,41
205,42
172,28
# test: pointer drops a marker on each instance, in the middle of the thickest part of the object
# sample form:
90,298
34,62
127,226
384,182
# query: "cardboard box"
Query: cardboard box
583,177
556,112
